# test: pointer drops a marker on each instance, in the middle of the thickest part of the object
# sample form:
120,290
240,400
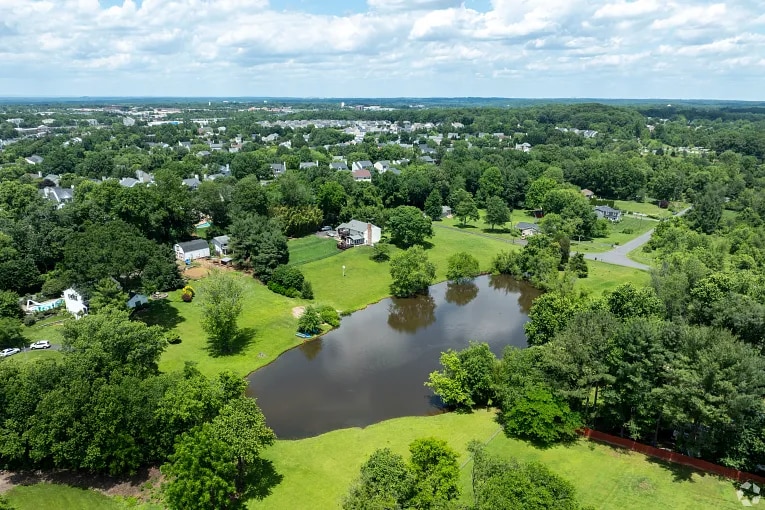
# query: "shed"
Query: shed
192,250
528,229
220,245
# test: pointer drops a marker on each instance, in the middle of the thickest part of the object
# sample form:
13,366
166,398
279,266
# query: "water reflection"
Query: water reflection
510,285
373,367
409,315
461,294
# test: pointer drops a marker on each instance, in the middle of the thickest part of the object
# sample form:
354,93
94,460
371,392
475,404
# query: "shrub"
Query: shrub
188,294
329,316
628,231
30,320
380,252
507,262
536,414
310,321
307,290
289,277
462,267
173,338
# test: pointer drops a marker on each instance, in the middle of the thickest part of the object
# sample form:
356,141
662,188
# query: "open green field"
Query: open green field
47,329
267,324
59,497
606,277
648,208
311,248
367,281
619,233
317,471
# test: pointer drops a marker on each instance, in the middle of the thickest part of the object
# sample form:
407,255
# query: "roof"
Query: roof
355,226
585,191
357,237
128,182
308,164
195,245
607,210
221,239
522,225
338,165
192,182
362,174
364,164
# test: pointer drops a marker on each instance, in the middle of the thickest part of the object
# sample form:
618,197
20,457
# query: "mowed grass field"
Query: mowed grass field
267,326
59,497
318,471
311,248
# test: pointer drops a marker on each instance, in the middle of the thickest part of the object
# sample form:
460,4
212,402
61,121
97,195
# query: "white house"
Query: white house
220,245
75,302
362,176
528,229
609,213
355,233
192,250
362,165
382,166
137,300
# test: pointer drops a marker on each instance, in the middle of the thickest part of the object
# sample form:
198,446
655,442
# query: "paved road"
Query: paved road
618,256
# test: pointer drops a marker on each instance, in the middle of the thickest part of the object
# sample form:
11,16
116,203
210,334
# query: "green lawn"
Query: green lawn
267,322
317,471
647,258
606,277
648,208
59,497
311,248
47,329
616,236
367,281
30,356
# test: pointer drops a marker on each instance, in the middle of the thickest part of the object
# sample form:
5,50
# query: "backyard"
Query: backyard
318,471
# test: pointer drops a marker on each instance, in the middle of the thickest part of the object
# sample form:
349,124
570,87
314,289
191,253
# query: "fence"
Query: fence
669,456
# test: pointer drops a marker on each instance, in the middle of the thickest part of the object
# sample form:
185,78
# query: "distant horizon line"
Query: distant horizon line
387,98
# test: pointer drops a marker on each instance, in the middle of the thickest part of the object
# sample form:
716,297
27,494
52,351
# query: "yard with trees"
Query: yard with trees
672,358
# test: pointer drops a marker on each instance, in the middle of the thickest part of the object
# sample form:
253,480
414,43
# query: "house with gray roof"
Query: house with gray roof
528,229
193,183
58,195
362,165
357,233
128,182
192,250
278,168
34,159
220,244
338,165
608,213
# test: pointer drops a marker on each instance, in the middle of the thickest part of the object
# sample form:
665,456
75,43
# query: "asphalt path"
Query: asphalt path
618,256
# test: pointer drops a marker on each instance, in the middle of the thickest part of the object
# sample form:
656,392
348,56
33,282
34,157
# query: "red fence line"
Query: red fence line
670,456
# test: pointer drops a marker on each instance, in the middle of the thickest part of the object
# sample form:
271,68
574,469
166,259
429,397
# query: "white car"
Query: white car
9,352
41,344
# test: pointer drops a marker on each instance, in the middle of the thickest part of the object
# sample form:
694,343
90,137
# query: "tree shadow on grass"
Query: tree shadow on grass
160,313
503,230
240,342
679,472
264,479
464,225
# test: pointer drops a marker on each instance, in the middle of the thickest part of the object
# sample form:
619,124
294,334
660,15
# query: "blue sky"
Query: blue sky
384,48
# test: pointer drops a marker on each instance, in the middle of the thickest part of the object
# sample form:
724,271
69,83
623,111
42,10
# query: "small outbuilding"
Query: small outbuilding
192,250
220,245
75,302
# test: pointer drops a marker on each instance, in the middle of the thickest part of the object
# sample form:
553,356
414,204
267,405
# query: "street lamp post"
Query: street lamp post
343,270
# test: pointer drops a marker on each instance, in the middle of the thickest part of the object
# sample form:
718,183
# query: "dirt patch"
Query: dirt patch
141,486
196,273
298,311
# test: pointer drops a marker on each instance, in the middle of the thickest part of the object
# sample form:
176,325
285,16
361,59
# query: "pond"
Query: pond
373,367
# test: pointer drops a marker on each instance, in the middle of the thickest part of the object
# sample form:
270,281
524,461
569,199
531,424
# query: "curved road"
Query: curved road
618,256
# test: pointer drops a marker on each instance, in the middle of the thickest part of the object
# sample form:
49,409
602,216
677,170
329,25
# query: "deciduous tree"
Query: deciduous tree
221,300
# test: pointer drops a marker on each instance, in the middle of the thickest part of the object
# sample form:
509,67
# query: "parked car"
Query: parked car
41,344
326,228
9,352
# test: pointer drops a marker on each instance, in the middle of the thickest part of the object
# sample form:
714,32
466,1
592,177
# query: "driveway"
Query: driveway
618,256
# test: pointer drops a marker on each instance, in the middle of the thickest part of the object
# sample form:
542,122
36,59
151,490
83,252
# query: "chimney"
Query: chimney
196,176
39,173
369,234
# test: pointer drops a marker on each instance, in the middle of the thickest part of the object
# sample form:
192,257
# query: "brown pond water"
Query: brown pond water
373,367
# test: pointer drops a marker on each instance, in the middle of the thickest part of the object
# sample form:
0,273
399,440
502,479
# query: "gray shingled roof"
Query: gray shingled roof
195,245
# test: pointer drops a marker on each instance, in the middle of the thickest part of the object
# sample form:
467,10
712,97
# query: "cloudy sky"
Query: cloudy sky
384,48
